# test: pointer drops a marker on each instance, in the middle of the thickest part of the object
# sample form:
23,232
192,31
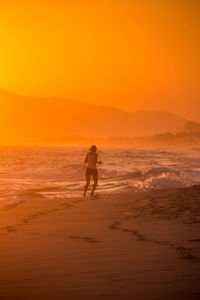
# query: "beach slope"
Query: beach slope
142,245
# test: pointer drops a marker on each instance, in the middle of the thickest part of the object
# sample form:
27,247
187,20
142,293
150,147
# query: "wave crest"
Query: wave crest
163,178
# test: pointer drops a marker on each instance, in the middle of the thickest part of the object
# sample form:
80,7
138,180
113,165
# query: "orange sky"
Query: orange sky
124,53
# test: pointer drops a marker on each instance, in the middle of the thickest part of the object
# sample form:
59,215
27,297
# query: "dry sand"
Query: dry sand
123,246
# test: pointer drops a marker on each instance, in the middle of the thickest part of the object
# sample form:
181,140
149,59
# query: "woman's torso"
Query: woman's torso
91,160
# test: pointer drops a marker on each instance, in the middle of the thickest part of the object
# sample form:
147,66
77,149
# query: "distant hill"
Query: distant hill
30,120
192,127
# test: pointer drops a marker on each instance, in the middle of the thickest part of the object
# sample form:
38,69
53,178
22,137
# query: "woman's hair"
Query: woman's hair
93,148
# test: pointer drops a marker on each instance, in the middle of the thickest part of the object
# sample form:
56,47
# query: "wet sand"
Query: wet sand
123,246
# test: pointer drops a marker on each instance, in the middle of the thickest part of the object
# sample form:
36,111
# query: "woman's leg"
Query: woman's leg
87,184
95,177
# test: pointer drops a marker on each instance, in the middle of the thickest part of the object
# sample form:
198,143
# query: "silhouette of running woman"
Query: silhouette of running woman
92,161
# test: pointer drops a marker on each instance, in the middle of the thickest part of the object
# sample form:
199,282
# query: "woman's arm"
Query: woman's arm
86,159
98,161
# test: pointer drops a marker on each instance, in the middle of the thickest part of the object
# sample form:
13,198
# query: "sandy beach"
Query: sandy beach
142,245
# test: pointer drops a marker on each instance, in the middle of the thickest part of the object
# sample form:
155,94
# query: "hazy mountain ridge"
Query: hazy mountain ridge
32,119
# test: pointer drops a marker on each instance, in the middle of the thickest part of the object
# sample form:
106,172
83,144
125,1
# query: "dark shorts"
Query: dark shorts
90,172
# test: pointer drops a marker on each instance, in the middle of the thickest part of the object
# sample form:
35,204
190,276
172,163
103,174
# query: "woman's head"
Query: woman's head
93,149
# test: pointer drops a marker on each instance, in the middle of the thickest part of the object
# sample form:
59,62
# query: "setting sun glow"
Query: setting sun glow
127,54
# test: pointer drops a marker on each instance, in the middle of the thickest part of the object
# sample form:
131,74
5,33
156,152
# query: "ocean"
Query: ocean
31,173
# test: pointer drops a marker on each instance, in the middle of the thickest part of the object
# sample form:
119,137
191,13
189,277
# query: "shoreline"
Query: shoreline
143,245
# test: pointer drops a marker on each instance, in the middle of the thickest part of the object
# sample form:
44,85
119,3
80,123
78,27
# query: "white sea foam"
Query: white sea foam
164,178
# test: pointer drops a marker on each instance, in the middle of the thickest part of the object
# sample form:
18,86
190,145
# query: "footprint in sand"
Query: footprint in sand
115,225
10,228
67,205
188,256
90,240
95,197
13,205
85,238
74,237
194,240
29,218
186,253
137,235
